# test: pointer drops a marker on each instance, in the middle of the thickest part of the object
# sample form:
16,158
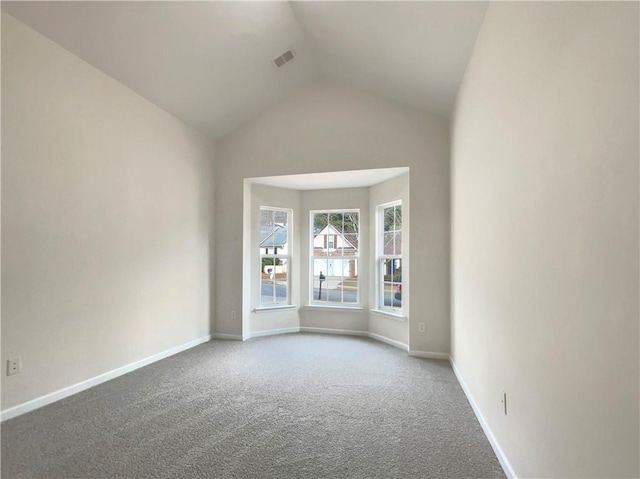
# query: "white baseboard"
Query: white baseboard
345,332
350,332
229,337
429,355
502,458
271,332
89,383
392,342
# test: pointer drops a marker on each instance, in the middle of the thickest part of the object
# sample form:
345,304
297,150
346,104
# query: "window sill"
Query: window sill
389,314
320,307
266,309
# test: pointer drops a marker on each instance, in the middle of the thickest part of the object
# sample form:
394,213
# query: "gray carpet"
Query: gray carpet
292,406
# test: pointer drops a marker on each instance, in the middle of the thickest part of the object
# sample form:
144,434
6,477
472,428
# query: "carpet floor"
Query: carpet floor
291,406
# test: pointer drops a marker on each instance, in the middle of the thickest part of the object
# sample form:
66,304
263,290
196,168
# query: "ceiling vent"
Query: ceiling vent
283,59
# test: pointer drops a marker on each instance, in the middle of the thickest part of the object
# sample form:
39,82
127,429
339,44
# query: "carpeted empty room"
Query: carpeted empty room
320,239
289,406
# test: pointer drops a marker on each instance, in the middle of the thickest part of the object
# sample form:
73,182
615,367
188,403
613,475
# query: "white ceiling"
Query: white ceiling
331,180
412,52
209,63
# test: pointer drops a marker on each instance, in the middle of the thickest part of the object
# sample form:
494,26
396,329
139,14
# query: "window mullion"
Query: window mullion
388,256
334,234
275,236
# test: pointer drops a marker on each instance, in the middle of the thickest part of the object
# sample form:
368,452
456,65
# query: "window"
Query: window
334,257
275,240
389,257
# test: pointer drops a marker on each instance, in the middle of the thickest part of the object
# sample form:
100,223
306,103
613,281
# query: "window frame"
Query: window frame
380,257
333,304
286,257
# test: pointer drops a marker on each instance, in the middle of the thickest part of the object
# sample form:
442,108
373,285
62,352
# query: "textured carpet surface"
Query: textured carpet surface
292,406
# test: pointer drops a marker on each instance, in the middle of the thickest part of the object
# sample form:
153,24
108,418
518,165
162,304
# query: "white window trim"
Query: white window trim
380,307
262,307
334,307
313,303
389,314
277,307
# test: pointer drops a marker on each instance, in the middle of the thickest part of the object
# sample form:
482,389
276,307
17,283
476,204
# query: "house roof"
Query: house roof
210,63
351,238
391,240
273,236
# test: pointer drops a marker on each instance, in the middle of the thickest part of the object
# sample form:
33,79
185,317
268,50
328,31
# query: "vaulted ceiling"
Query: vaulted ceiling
210,63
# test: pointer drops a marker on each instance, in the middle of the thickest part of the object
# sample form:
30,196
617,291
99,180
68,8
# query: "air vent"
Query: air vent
283,59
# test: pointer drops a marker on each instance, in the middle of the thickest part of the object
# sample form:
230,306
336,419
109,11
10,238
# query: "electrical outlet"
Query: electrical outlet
421,327
504,402
233,315
13,366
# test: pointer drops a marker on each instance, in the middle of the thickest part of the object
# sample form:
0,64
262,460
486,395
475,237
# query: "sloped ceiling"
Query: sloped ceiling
209,63
412,52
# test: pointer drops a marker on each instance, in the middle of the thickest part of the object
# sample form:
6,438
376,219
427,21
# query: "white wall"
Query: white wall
279,319
105,216
391,190
545,235
327,127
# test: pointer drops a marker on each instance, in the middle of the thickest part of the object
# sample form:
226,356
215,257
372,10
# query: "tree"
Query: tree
270,262
348,222
393,218
352,222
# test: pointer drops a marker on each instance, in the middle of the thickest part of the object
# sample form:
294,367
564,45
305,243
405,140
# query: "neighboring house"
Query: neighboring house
392,244
273,240
330,246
